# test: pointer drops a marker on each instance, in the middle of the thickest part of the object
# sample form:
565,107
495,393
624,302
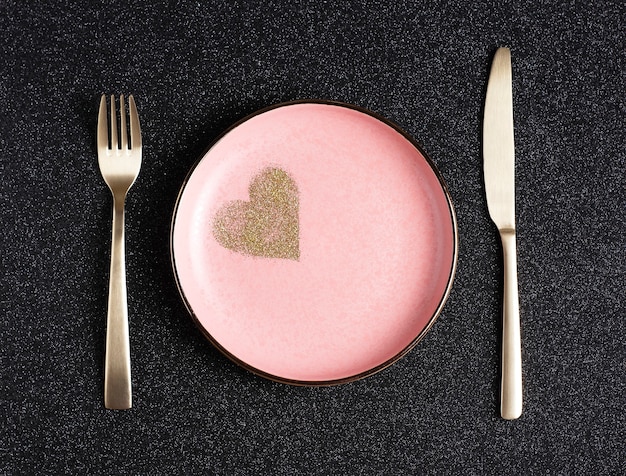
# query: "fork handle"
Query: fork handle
117,382
511,390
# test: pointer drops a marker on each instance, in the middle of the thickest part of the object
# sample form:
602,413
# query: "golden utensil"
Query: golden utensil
119,164
499,169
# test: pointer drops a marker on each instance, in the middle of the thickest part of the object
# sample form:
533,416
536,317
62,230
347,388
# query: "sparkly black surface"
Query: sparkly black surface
197,67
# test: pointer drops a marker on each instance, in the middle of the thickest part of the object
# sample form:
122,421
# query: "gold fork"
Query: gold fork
119,164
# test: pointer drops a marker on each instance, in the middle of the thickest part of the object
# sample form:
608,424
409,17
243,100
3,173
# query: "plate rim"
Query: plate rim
396,357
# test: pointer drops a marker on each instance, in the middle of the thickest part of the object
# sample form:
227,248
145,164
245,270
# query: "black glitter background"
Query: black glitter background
197,67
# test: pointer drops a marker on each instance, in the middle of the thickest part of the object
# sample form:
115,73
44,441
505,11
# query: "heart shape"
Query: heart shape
268,224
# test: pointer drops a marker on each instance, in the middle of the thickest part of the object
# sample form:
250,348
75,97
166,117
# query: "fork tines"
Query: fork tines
111,141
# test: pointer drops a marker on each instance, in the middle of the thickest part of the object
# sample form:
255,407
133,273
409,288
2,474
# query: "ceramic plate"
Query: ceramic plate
314,243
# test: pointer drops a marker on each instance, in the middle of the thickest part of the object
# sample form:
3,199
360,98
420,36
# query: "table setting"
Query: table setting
313,238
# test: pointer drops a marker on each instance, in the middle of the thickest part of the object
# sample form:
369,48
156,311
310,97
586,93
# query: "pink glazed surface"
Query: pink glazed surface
376,240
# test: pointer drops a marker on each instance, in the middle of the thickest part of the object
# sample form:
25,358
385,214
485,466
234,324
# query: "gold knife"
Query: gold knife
499,169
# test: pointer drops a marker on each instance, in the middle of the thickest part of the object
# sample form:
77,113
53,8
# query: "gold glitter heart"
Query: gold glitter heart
265,226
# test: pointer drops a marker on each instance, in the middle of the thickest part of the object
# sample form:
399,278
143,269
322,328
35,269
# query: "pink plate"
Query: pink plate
314,243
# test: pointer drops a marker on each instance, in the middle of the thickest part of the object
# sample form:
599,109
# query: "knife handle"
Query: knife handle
511,390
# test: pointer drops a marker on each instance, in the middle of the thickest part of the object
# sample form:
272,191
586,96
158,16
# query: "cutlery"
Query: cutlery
499,169
119,164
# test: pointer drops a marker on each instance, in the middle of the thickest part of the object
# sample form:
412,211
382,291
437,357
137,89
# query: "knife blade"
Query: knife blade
499,172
